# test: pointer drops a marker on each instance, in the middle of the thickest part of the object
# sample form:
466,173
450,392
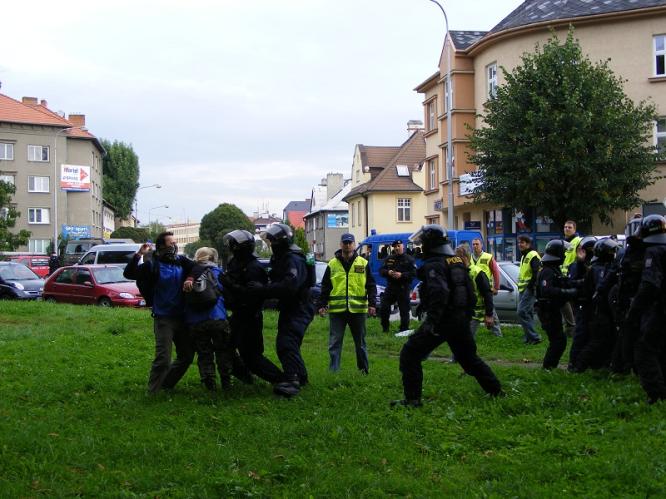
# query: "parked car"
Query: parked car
76,248
505,301
110,254
18,282
39,264
102,285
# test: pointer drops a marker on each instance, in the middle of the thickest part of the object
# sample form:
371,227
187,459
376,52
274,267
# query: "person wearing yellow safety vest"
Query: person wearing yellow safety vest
527,275
483,308
348,294
489,267
571,237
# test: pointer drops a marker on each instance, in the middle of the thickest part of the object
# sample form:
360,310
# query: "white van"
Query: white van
114,254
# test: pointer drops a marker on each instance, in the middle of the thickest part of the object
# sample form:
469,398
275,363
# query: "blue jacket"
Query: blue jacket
217,312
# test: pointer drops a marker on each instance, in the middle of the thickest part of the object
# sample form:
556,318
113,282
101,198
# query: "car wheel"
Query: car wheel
50,299
104,302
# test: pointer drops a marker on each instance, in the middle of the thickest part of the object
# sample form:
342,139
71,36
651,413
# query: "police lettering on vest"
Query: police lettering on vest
348,291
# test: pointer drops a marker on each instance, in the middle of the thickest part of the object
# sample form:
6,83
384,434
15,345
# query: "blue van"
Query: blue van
377,247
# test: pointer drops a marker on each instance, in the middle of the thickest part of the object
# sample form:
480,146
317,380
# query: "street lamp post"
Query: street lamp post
56,187
449,105
136,200
155,208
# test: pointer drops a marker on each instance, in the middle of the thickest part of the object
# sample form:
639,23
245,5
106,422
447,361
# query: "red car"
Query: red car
39,264
102,285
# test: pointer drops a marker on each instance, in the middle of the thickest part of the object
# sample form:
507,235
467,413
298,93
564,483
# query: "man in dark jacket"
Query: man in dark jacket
160,279
349,294
290,282
399,270
247,320
447,296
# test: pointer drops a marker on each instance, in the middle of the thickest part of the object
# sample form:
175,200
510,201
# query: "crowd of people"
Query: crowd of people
609,299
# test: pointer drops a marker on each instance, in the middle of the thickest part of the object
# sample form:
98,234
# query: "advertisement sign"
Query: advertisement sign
473,225
75,178
76,231
468,183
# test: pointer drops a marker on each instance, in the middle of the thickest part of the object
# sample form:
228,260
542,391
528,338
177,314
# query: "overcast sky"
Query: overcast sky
250,102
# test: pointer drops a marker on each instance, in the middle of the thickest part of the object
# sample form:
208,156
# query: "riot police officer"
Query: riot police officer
447,297
290,281
600,279
648,307
582,305
247,319
553,291
399,270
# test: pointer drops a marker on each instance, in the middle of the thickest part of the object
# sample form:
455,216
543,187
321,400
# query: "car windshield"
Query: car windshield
113,256
511,269
17,273
320,268
108,275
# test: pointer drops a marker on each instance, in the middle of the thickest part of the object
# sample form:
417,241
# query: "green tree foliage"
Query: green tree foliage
120,176
222,220
137,234
8,215
154,229
562,136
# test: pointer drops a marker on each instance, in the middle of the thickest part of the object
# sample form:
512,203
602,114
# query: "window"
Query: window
431,112
661,135
351,214
6,151
8,178
38,153
38,184
404,210
491,74
402,170
358,213
38,245
38,215
447,101
432,174
660,55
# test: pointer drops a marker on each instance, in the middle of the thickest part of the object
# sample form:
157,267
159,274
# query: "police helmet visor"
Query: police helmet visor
237,237
417,237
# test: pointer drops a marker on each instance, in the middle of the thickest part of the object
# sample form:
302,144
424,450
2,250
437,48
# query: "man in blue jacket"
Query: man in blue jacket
160,279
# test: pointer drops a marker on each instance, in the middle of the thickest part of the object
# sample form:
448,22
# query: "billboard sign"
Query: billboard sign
76,231
75,178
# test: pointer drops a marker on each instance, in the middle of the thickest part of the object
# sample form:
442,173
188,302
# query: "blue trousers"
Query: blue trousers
337,323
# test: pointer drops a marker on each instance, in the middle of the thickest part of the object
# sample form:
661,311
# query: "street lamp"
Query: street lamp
136,200
449,105
56,187
155,208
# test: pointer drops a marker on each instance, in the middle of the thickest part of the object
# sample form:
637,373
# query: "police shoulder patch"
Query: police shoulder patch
359,269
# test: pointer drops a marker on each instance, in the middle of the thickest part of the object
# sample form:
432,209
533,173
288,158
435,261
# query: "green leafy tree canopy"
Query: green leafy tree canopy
8,215
222,220
120,169
562,136
137,234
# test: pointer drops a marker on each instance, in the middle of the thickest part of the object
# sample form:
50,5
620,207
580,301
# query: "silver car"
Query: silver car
506,300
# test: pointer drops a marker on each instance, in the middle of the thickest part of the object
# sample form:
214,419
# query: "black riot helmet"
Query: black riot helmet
280,237
653,229
587,243
605,250
554,251
433,239
240,242
633,227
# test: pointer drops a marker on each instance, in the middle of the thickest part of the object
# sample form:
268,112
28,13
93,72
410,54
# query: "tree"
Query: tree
191,248
136,234
154,229
120,170
222,220
562,136
8,216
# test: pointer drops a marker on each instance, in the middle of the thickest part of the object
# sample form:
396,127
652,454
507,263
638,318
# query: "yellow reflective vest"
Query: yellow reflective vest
480,306
483,262
348,291
525,270
570,254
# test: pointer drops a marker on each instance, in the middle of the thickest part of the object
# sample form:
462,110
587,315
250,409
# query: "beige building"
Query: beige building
631,34
46,155
328,217
387,187
184,233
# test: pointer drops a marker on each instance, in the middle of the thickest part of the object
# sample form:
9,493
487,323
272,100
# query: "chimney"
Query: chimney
30,101
334,182
414,126
44,103
77,119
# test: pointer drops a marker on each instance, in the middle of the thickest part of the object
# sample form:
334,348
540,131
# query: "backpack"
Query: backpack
204,292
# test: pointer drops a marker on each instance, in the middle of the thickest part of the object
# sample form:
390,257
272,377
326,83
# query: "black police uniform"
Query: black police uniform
552,292
631,269
290,284
648,306
397,290
598,350
578,272
247,320
447,298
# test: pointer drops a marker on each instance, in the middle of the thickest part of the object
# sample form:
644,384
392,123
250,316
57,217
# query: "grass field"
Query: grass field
75,420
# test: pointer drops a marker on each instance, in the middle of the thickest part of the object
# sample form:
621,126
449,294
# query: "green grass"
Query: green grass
75,420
